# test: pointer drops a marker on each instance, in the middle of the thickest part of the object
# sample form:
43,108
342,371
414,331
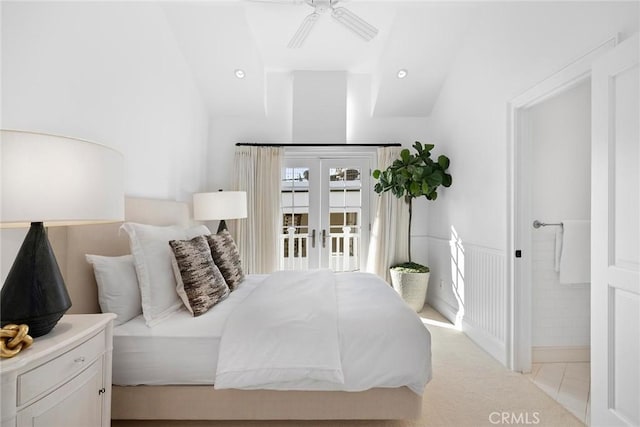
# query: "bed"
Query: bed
184,391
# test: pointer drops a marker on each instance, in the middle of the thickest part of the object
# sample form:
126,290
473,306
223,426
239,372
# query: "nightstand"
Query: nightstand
63,379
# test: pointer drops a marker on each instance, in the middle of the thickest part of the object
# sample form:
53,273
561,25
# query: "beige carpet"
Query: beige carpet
469,388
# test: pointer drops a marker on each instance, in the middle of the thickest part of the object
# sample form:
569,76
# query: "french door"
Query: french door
325,213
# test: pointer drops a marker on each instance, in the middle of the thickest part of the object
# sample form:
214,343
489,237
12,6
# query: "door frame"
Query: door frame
519,147
368,154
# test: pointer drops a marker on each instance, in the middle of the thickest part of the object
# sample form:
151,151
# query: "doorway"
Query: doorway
560,188
615,284
325,212
525,242
521,230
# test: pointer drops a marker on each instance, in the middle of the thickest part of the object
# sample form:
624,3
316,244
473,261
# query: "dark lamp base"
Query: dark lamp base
34,292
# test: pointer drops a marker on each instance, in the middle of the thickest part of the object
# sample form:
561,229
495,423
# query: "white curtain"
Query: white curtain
257,171
389,243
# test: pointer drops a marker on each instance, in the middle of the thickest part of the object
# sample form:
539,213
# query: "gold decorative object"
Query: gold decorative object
13,339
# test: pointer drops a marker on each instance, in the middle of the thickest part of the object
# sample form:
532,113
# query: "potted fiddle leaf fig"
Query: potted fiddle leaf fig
411,176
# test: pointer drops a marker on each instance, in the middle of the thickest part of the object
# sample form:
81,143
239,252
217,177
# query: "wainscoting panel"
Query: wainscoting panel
560,314
468,286
486,297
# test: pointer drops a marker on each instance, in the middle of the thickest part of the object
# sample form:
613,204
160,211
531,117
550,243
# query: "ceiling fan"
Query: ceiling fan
343,15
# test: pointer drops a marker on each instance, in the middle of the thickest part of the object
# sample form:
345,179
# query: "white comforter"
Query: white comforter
318,330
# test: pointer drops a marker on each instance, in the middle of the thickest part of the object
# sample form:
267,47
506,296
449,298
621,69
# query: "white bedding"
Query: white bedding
382,342
285,332
180,350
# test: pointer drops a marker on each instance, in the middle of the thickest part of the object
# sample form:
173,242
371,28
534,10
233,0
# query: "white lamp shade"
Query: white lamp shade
58,180
219,205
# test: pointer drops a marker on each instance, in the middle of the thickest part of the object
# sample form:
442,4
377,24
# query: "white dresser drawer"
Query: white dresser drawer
62,368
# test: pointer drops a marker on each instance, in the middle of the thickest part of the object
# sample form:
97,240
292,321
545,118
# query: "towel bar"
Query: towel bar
538,224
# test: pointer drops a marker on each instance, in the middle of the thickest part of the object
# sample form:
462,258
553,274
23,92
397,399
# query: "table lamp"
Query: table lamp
54,181
220,205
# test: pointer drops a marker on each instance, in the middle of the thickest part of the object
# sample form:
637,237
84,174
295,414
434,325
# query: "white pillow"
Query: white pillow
118,290
152,259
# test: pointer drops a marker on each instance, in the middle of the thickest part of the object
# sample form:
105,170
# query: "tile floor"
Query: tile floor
567,383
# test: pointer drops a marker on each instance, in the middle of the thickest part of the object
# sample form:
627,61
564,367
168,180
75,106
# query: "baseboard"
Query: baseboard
487,342
560,354
443,307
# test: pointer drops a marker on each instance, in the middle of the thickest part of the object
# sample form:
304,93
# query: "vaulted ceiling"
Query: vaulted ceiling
218,37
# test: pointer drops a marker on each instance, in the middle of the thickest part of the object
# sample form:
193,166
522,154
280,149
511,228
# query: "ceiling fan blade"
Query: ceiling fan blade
354,23
278,1
303,31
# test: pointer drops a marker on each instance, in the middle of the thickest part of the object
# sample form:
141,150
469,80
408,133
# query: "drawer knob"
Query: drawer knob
79,359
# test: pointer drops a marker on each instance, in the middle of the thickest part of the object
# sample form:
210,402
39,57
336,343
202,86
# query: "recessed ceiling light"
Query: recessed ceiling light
402,73
239,73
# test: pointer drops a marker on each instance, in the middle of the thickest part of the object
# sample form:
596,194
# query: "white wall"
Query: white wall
110,73
319,106
365,128
561,177
362,128
226,131
509,48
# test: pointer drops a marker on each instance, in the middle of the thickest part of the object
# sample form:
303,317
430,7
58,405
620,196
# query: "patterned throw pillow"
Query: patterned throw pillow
200,283
227,258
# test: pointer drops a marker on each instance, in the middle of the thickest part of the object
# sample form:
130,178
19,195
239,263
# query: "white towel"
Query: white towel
558,253
575,260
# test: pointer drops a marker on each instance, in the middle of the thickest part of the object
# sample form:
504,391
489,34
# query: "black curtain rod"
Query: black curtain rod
268,144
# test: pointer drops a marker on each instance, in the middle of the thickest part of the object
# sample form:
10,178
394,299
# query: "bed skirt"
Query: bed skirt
195,402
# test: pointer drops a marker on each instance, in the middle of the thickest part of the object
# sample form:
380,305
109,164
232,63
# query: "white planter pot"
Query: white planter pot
412,287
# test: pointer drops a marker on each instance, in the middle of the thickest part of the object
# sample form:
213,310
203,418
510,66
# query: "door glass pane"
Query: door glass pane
345,222
294,190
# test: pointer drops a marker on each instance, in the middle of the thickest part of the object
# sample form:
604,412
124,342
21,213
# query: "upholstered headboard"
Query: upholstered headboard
72,243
